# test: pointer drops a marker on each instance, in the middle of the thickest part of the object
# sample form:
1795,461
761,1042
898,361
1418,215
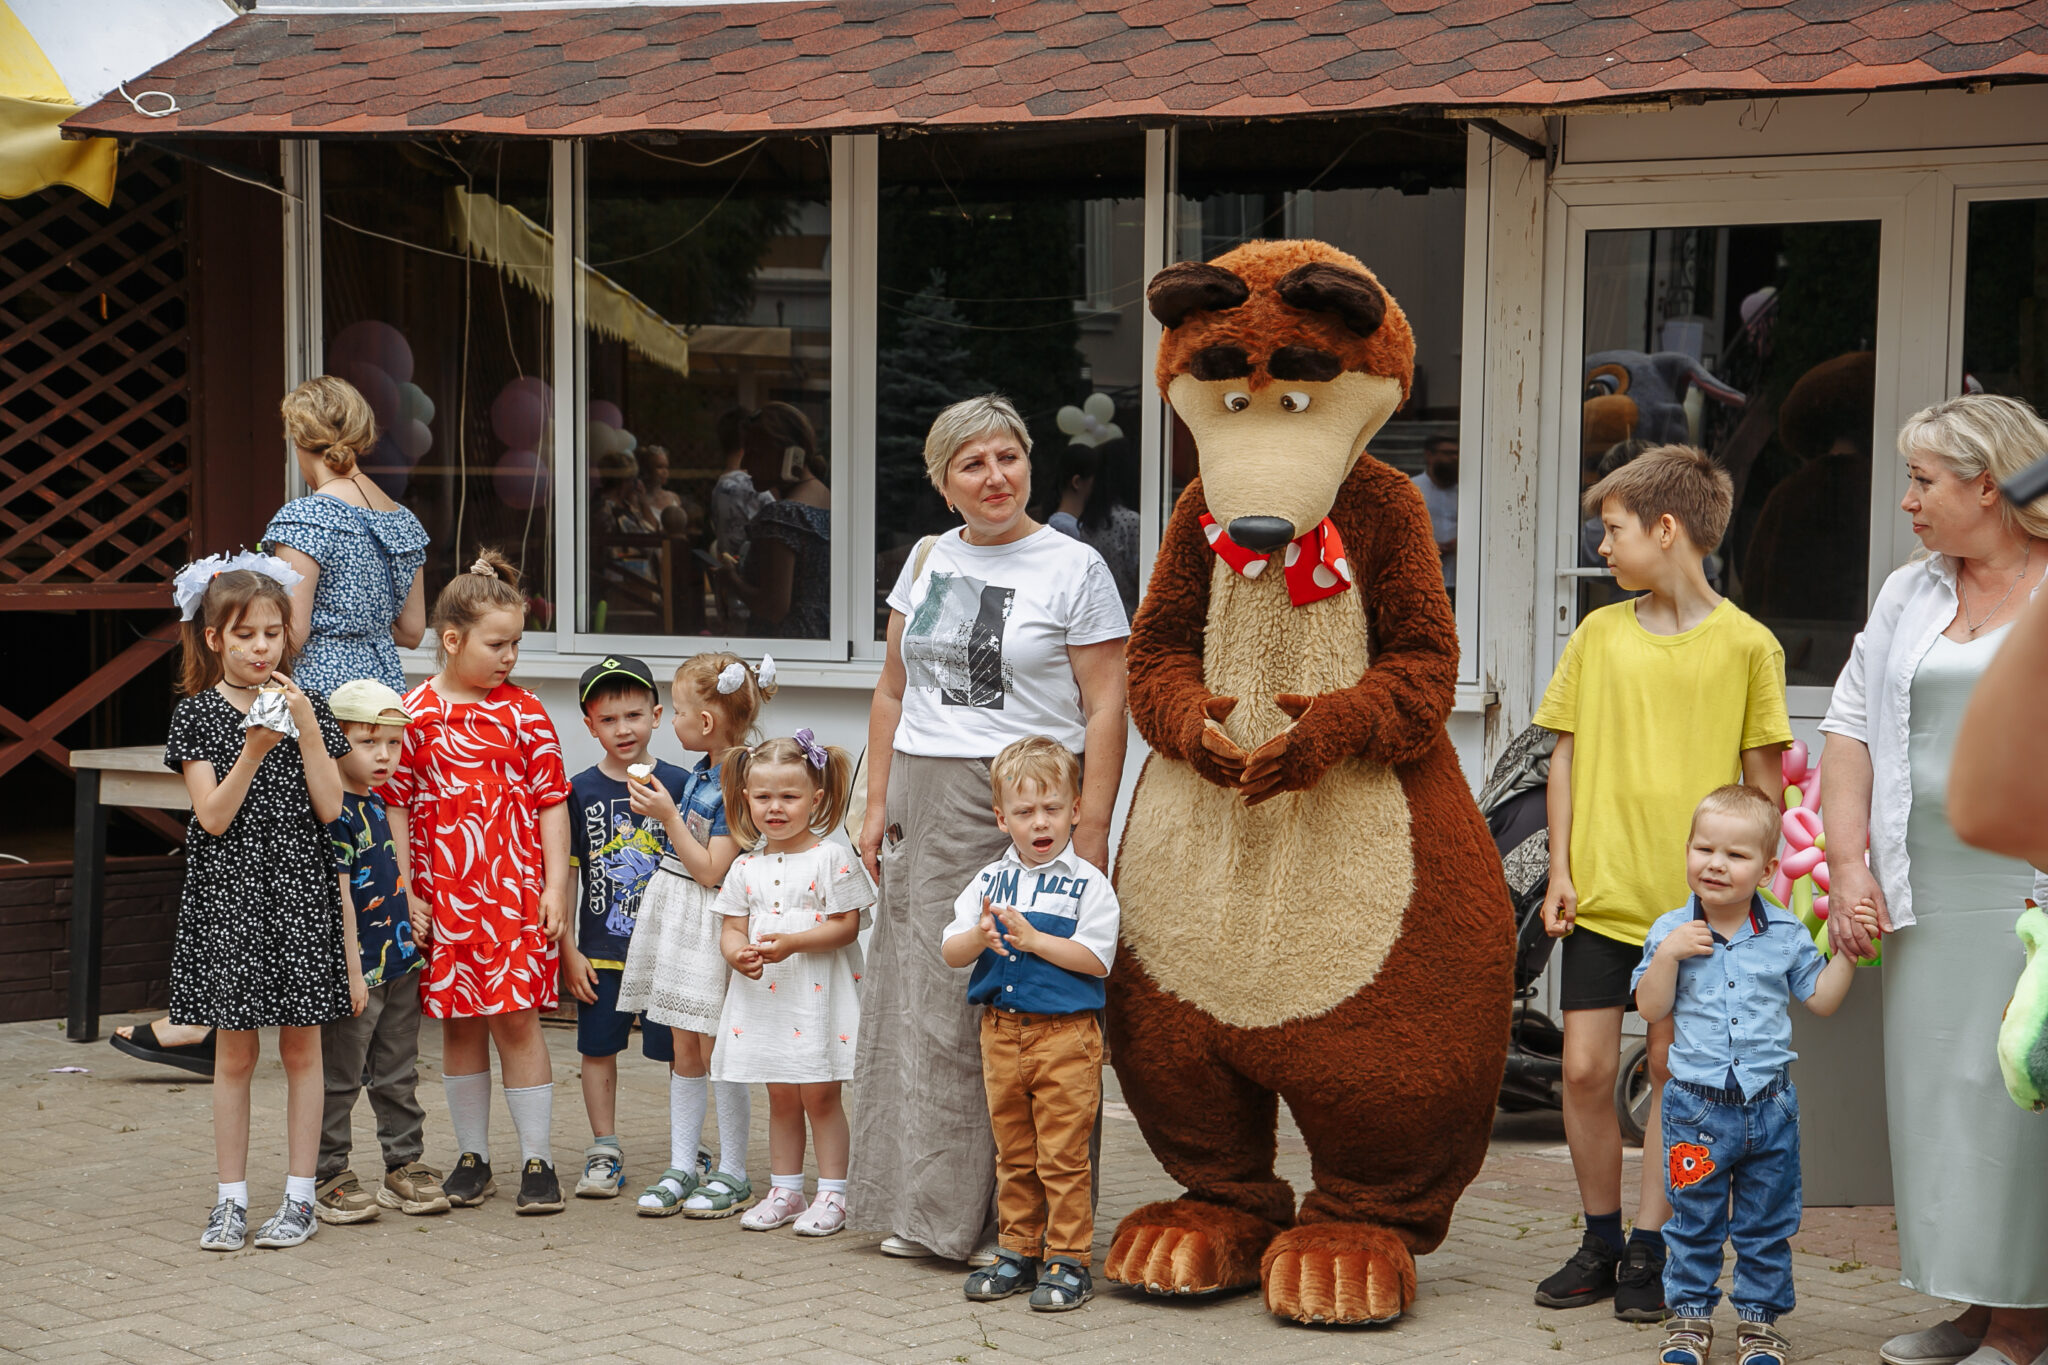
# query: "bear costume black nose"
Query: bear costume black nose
1261,533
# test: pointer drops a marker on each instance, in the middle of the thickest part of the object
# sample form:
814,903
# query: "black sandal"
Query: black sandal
145,1046
1011,1274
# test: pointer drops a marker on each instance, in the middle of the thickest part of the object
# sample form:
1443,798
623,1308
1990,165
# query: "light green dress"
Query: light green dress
1969,1167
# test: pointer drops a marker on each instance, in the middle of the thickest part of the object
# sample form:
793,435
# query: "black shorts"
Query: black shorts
603,1031
1595,972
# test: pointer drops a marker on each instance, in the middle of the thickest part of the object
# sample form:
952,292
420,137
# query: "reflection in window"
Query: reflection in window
2005,300
705,296
1757,345
435,308
1013,262
1392,193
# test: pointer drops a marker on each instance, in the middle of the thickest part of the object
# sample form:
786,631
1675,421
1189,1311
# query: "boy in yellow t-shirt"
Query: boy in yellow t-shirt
1657,701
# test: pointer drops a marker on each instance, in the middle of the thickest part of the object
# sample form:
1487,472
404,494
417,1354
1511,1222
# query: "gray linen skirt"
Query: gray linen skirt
924,1156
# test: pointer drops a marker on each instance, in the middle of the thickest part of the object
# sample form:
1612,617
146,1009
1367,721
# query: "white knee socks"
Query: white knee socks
469,1109
687,1098
533,1114
734,1112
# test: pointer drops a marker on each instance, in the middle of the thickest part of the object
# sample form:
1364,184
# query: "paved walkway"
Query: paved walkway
105,1180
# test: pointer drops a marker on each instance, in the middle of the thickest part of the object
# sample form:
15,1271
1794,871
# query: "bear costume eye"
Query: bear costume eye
1237,400
1294,400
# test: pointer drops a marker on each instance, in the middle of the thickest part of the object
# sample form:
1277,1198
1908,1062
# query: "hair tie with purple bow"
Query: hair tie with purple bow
813,750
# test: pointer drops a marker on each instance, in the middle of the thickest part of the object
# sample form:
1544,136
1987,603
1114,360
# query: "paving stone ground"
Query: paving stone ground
105,1179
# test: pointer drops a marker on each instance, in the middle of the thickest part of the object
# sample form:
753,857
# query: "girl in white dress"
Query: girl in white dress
792,912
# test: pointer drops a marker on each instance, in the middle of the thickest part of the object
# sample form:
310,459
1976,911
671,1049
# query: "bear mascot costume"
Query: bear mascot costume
1313,908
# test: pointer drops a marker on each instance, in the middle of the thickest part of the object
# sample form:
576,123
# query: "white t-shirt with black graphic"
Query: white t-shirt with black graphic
985,637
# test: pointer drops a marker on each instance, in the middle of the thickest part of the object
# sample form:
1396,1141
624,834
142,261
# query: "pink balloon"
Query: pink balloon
1801,862
607,413
1781,887
519,414
377,387
1820,907
522,479
1820,875
1801,826
1792,763
370,342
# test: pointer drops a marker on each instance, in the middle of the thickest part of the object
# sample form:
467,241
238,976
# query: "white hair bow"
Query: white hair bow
734,675
188,587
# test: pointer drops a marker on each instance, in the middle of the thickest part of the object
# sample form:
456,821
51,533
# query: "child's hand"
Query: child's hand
651,798
259,740
1865,914
422,916
1023,935
300,705
358,990
578,975
773,947
1691,939
1560,907
554,912
747,962
990,931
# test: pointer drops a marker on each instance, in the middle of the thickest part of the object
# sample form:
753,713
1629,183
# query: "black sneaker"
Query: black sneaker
1586,1278
539,1191
470,1183
1639,1283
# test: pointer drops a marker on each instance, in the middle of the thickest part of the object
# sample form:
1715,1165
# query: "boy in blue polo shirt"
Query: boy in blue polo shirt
1725,966
1039,924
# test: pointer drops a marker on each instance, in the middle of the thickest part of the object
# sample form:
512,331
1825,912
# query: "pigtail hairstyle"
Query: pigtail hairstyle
229,596
835,779
701,677
329,418
490,584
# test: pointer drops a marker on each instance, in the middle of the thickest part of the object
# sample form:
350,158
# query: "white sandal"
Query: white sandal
783,1205
827,1215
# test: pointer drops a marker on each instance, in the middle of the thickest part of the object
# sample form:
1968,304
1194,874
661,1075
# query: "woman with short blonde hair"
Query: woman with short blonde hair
999,630
1967,1163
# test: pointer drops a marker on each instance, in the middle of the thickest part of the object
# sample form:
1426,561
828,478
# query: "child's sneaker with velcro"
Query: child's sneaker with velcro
539,1190
340,1198
414,1188
604,1172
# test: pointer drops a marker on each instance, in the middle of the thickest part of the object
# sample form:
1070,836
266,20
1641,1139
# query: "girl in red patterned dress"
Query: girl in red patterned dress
479,799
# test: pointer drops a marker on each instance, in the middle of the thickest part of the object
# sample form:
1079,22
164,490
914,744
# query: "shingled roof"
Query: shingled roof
753,68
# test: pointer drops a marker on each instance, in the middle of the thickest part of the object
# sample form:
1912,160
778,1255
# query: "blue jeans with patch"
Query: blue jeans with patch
1716,1154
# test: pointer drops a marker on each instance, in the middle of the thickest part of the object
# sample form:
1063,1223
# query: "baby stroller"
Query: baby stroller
1513,803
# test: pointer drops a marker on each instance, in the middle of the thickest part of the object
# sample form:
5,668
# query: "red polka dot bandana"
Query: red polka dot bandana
1314,563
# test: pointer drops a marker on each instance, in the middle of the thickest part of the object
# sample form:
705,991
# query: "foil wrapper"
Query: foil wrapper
273,709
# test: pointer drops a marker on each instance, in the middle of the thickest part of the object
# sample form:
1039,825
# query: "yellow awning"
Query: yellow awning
503,236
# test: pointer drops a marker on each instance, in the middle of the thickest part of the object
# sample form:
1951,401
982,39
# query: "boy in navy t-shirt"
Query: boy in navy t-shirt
617,852
1039,924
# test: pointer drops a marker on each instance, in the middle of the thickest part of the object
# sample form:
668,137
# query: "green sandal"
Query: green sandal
728,1194
668,1192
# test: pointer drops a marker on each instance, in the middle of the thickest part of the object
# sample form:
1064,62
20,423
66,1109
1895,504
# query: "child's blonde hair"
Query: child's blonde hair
1744,803
740,707
329,418
1035,758
490,584
835,779
1682,482
229,596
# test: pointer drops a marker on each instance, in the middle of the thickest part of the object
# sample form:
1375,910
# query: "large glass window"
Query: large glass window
1013,262
434,301
1392,193
2005,300
1757,344
705,300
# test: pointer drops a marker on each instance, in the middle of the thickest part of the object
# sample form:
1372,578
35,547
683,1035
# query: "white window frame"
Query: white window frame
1910,341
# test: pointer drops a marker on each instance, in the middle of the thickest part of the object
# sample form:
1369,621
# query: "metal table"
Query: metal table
106,777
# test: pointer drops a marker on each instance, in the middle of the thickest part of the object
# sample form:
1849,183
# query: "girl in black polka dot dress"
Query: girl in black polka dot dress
259,941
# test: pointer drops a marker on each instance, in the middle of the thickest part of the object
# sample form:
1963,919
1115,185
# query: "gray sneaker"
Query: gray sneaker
225,1227
292,1224
1942,1344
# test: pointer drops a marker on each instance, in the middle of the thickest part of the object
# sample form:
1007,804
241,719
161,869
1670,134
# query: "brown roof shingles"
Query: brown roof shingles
865,63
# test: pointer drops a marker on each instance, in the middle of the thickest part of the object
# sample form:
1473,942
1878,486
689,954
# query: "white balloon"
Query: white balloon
414,405
1100,407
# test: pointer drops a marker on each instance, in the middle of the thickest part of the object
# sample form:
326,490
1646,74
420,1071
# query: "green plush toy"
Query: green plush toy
2023,1037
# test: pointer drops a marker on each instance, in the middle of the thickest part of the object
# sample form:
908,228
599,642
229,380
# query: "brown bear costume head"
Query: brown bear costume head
1279,428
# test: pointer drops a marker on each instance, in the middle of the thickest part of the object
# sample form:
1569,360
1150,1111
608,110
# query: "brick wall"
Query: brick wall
35,936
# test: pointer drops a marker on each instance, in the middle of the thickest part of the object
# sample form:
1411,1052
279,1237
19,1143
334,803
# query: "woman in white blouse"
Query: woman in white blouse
1001,629
1969,1168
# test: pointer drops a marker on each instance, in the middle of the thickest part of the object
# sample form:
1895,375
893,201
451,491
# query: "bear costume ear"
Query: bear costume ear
1193,287
1359,303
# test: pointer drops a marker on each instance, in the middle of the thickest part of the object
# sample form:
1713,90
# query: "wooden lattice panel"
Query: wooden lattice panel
95,406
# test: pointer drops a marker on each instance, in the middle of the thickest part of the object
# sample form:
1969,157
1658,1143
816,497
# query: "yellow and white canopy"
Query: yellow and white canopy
58,56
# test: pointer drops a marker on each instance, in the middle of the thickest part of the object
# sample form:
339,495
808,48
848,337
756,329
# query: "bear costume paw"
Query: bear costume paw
1338,1273
1184,1246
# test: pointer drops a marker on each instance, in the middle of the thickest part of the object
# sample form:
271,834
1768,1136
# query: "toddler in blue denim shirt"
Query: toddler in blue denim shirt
1726,965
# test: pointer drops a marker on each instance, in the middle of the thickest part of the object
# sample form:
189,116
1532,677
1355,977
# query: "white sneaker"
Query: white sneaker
604,1172
780,1207
226,1227
893,1245
983,1255
826,1216
292,1224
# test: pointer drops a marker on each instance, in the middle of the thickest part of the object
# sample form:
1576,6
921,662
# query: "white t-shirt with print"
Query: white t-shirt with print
985,640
